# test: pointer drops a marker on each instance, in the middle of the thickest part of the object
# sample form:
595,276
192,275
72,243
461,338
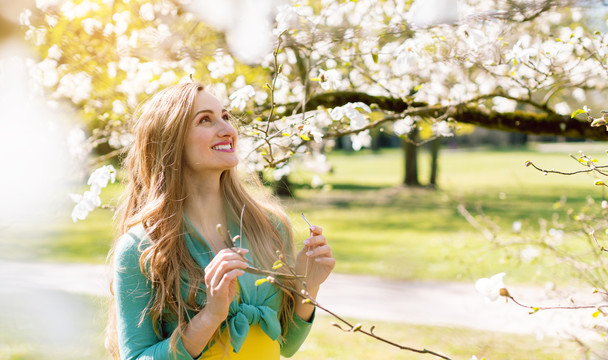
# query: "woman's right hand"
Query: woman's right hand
220,280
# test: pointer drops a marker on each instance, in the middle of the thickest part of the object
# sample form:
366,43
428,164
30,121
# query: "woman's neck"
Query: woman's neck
204,206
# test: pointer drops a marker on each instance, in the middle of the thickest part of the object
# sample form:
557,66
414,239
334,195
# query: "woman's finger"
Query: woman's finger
316,240
223,255
228,278
316,230
330,261
223,268
324,250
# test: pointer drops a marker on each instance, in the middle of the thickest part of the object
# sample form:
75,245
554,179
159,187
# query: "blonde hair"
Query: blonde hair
155,196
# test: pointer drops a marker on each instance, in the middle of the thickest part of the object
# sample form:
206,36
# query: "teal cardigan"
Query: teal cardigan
136,337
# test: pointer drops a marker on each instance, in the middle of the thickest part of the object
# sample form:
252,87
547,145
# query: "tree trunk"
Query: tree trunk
435,146
282,187
411,158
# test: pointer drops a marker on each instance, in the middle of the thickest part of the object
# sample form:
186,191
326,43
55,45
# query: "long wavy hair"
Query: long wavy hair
154,197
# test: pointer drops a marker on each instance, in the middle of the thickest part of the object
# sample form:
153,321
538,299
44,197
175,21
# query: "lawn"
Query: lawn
327,342
377,227
49,325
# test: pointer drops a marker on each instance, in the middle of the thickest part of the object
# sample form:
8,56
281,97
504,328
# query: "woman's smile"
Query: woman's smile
225,146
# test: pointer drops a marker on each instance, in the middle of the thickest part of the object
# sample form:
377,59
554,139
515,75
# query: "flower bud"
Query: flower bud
504,292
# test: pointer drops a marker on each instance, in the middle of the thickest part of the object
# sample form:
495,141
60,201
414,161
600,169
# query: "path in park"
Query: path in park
359,297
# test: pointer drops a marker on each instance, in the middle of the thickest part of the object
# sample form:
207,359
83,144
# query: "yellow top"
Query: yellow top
257,345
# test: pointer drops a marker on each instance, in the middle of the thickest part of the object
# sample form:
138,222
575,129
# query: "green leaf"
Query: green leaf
577,112
534,309
260,281
277,264
596,314
375,57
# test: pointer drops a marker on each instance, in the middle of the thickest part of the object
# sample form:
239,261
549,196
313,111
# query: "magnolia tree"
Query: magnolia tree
299,74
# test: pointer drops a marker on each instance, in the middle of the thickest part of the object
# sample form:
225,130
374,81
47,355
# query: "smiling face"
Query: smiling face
210,140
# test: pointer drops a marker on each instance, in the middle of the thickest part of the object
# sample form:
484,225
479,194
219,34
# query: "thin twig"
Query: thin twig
573,307
357,327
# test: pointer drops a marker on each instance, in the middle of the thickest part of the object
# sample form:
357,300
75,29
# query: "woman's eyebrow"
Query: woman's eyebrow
209,111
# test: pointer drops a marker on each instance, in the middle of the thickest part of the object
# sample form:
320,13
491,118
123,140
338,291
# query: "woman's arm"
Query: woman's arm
132,292
317,254
136,336
320,264
220,282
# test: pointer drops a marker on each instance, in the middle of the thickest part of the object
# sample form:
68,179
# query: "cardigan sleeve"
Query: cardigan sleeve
132,291
296,334
298,329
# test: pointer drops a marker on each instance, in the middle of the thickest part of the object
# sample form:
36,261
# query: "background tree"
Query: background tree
339,69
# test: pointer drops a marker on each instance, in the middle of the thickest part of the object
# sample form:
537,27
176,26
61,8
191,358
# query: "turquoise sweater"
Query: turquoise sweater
132,290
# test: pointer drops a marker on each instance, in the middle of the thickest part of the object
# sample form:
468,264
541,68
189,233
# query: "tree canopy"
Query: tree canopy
337,68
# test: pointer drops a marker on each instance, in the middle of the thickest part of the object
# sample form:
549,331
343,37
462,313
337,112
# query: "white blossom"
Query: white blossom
563,108
286,18
330,79
78,146
521,52
91,25
516,226
121,22
99,178
278,173
403,126
221,66
146,11
54,52
357,120
46,72
240,97
118,107
24,17
316,182
431,12
361,140
120,139
490,288
76,87
556,237
528,254
84,204
442,128
501,104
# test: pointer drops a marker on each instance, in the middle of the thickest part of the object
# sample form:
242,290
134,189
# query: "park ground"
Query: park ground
381,233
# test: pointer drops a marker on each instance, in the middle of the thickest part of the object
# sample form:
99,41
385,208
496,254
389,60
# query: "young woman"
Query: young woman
179,292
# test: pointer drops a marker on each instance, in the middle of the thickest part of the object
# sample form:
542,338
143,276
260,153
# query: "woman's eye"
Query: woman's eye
204,119
226,117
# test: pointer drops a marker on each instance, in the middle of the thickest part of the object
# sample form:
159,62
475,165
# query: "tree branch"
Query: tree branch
524,122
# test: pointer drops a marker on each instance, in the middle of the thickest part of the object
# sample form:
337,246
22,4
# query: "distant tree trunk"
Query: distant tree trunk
282,187
411,158
435,146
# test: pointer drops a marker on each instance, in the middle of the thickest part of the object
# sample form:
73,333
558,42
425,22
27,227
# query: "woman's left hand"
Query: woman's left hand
320,260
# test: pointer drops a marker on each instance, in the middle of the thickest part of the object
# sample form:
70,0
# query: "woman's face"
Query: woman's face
211,140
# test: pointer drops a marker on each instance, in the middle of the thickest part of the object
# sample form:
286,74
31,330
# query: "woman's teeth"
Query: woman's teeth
222,147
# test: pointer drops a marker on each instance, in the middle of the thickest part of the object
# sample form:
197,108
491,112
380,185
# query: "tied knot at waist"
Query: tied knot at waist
241,316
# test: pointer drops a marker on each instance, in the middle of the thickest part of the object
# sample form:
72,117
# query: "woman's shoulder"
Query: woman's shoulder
130,246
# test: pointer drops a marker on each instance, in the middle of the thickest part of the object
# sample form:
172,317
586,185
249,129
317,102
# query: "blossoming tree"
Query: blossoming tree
301,73
339,69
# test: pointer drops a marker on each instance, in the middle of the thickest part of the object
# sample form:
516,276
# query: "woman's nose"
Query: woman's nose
227,129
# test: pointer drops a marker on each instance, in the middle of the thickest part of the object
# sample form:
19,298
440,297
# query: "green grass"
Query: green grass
71,327
377,227
418,233
50,325
328,342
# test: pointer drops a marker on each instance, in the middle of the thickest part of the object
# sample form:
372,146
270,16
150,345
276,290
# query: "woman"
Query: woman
179,292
